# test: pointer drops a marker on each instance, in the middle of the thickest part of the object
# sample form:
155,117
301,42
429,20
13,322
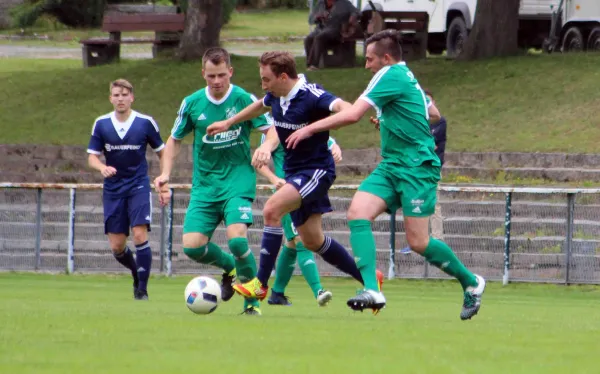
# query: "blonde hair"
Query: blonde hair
122,83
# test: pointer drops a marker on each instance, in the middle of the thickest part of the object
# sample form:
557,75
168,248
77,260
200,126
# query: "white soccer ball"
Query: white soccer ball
202,295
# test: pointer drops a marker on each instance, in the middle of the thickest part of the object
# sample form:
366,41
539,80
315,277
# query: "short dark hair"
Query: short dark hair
387,41
428,93
216,55
280,62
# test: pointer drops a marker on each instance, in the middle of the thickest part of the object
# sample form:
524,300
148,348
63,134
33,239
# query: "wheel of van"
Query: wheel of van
573,40
593,42
456,37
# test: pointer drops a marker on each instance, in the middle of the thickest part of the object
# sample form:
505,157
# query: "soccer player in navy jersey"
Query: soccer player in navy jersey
309,169
122,136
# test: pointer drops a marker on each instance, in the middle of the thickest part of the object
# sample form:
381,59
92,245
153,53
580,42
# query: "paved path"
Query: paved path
137,51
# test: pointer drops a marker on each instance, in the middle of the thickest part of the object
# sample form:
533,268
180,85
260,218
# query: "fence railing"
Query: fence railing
512,234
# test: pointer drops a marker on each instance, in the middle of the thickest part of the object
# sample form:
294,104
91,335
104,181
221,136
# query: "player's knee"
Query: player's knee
140,234
194,240
417,242
271,215
314,242
355,212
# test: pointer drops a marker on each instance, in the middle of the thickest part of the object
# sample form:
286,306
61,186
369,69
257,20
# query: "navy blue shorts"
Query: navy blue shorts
121,213
313,185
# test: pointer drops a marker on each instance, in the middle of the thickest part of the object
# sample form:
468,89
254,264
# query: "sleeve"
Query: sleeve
262,122
154,138
183,124
268,100
96,144
330,142
325,100
380,90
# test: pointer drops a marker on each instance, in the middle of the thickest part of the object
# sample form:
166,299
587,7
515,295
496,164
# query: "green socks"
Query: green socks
308,266
440,255
286,262
364,248
245,263
211,254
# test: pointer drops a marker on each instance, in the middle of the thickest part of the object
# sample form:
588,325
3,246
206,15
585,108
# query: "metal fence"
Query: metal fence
508,234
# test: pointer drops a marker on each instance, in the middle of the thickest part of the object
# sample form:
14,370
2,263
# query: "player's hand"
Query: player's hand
108,171
278,182
218,127
161,184
336,152
375,121
298,136
261,156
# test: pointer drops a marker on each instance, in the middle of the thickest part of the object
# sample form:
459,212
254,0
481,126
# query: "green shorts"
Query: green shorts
289,230
412,188
204,217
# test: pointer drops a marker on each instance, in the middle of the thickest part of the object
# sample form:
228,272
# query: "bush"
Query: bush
74,13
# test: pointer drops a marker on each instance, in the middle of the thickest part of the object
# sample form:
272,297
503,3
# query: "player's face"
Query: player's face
272,83
218,77
374,62
121,99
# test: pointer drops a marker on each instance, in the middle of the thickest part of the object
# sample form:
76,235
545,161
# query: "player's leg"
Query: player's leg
311,234
238,216
139,210
279,204
374,196
418,188
313,187
200,222
116,227
286,263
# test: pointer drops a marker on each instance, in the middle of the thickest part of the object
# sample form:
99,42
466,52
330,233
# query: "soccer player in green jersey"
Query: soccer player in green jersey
407,176
293,249
224,181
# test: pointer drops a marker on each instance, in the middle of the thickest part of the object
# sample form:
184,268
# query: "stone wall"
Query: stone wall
5,6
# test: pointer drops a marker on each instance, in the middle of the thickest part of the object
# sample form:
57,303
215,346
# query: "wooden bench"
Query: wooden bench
413,25
167,29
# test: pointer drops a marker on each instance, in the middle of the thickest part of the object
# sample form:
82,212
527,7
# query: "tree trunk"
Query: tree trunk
202,28
494,32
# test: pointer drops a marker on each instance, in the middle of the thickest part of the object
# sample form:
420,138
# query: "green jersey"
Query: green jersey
402,110
278,156
222,163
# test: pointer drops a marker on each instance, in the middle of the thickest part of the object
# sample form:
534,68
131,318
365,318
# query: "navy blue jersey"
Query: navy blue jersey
124,147
305,103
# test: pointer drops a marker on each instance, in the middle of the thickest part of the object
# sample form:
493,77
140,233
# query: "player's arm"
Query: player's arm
434,113
266,172
154,138
346,117
95,148
262,155
251,111
335,150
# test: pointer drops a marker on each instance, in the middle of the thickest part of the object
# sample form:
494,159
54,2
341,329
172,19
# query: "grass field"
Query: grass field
531,103
275,24
90,324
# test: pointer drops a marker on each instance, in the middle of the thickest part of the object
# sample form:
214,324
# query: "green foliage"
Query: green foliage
74,13
290,4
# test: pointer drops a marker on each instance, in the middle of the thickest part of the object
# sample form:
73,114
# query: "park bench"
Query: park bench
413,25
167,29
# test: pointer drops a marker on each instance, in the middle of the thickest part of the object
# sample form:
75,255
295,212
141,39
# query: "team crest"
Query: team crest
230,112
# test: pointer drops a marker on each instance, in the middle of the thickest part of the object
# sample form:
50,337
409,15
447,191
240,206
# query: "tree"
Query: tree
202,28
494,32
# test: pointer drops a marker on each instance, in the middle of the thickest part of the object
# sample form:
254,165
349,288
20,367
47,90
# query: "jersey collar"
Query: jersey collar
122,127
219,102
285,101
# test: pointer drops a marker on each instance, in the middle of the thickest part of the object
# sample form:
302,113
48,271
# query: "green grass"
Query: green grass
529,104
89,324
275,24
